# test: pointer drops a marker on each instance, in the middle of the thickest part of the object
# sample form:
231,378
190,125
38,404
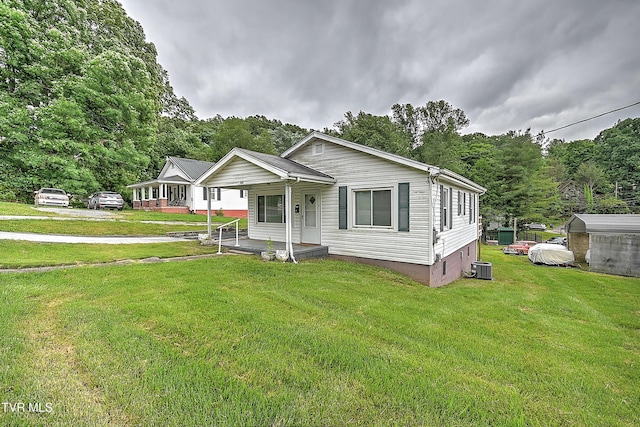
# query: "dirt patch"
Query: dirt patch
82,213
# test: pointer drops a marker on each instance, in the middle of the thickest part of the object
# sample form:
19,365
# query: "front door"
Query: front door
311,219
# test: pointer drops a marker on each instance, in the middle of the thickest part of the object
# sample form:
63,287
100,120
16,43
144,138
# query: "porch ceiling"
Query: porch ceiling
156,182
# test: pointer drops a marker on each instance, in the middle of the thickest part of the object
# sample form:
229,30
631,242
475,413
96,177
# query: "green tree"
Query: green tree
526,189
434,132
80,95
618,154
374,131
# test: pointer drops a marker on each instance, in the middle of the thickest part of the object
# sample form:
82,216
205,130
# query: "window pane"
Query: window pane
261,210
363,208
274,208
382,208
310,210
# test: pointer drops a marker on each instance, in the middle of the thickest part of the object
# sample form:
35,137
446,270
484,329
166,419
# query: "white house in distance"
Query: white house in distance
363,204
175,191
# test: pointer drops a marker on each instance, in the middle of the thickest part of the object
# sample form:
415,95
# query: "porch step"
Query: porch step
251,246
239,252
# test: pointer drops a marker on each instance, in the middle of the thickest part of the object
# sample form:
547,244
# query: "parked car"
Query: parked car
51,197
521,247
537,226
105,200
558,240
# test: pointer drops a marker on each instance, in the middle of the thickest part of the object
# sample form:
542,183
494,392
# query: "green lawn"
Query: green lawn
7,208
126,223
19,254
94,228
21,209
235,341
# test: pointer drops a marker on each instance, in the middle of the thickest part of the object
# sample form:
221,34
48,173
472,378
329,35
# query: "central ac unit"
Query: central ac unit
482,270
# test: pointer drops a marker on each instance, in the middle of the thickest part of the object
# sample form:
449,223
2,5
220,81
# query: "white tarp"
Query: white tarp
550,254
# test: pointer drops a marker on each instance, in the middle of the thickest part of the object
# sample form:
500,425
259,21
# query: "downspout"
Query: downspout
289,224
209,213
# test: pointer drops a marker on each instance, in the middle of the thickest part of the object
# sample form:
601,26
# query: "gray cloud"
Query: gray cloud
509,65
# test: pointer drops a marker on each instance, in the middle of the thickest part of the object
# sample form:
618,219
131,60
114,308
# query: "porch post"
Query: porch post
289,222
209,212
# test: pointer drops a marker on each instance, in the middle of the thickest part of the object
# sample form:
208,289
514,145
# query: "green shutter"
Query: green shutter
342,208
403,206
450,208
442,204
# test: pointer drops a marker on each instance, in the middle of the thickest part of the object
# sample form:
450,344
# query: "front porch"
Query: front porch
167,195
254,246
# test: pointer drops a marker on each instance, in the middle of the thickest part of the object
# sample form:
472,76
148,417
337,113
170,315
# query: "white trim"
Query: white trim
392,212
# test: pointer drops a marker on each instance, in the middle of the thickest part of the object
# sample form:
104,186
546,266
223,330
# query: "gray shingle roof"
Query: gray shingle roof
192,168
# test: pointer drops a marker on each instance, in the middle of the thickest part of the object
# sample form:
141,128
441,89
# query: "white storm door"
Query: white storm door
311,219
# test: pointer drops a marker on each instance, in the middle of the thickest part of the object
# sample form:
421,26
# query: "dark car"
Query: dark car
105,200
559,240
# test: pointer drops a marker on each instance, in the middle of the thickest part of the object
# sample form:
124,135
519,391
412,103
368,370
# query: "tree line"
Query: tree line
85,106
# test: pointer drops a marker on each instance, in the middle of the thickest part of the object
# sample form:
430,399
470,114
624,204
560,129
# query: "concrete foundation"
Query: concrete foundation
439,274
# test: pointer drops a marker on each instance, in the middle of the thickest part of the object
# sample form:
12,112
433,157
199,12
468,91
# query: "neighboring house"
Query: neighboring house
613,242
175,191
363,204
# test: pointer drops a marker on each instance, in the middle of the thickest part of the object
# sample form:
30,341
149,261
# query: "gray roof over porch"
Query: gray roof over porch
274,168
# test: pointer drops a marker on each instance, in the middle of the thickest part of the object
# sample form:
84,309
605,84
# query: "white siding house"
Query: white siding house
363,204
175,190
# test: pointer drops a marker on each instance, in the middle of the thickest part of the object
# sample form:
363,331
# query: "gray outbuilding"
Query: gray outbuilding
613,242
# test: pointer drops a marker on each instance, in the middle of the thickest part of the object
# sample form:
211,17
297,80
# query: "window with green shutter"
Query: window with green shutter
342,208
403,206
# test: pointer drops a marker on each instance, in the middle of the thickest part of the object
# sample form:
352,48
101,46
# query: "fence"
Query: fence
491,236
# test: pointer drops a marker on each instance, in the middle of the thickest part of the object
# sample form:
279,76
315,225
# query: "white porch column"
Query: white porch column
209,212
289,222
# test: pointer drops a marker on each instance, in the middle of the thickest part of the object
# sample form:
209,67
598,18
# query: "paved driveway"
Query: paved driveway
58,238
83,214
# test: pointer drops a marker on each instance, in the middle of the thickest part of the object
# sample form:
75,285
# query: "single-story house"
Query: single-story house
175,191
363,204
613,242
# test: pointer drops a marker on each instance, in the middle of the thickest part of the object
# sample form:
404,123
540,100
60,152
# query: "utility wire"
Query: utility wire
591,118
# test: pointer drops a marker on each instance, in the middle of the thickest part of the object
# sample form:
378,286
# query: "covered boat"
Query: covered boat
550,254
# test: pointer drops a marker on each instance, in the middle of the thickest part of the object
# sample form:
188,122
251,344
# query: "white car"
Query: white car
51,197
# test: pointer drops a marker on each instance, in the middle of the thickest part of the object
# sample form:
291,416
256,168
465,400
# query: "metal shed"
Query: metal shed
613,242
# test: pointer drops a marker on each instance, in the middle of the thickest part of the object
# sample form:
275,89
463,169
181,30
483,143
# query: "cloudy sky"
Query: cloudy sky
509,65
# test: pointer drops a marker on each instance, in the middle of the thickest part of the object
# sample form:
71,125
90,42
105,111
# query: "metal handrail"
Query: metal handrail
220,227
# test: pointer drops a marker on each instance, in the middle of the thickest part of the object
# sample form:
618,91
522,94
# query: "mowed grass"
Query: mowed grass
94,228
17,254
236,341
21,209
124,223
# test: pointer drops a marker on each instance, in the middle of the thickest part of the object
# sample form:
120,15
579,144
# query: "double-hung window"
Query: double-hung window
446,202
271,209
216,193
373,208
